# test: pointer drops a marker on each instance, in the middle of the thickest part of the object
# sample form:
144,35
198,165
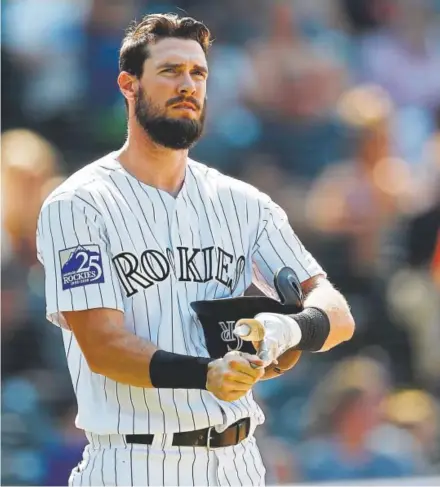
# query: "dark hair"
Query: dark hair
134,48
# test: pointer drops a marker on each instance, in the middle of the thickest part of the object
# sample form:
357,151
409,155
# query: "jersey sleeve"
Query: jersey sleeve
276,245
74,251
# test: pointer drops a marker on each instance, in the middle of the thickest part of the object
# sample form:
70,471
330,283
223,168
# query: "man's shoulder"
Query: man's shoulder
221,181
81,184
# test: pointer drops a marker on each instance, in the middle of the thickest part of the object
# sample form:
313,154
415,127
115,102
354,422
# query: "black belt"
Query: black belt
207,437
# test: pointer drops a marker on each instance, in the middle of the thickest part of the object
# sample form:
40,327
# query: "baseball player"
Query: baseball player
129,242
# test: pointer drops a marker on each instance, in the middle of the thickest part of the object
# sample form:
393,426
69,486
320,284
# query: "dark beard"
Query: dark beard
172,133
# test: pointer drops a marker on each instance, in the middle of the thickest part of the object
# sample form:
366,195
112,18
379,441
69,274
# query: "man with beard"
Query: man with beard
128,243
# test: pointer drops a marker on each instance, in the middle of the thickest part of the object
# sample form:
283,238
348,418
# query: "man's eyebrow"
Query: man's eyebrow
179,65
203,69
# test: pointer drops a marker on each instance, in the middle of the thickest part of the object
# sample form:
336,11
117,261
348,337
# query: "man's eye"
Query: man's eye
197,72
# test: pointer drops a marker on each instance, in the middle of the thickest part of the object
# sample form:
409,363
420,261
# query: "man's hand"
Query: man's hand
232,376
271,334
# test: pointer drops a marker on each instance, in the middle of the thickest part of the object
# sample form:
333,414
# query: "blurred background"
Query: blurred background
332,107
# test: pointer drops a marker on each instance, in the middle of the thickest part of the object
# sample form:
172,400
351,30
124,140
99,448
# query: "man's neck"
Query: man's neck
153,164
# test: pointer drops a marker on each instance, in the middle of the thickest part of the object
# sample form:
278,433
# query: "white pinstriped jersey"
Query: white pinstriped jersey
107,240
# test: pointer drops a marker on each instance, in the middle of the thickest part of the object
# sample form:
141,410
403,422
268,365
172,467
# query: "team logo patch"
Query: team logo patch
80,266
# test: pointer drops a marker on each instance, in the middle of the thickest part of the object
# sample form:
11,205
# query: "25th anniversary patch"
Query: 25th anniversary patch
81,265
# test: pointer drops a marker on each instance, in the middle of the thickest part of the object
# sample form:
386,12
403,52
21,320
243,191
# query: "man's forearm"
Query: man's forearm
324,296
131,360
124,357
112,351
325,321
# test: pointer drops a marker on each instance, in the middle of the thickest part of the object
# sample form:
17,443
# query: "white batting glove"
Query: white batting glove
275,333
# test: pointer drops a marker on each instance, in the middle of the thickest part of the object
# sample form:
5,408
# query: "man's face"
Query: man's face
171,99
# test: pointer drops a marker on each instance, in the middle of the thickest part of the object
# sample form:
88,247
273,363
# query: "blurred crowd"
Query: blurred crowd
331,107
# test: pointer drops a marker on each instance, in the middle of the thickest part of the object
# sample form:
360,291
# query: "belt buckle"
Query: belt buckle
208,440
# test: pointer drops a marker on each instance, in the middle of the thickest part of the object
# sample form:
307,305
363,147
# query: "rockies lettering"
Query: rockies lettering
153,266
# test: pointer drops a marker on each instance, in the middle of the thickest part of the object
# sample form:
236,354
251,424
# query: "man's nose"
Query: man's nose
187,86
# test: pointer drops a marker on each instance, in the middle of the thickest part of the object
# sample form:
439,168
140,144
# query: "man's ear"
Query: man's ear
128,85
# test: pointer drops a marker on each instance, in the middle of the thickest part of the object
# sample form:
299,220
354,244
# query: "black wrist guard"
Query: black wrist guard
315,329
174,371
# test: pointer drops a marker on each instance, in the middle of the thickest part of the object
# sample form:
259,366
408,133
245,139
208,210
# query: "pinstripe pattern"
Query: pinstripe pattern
122,464
158,254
